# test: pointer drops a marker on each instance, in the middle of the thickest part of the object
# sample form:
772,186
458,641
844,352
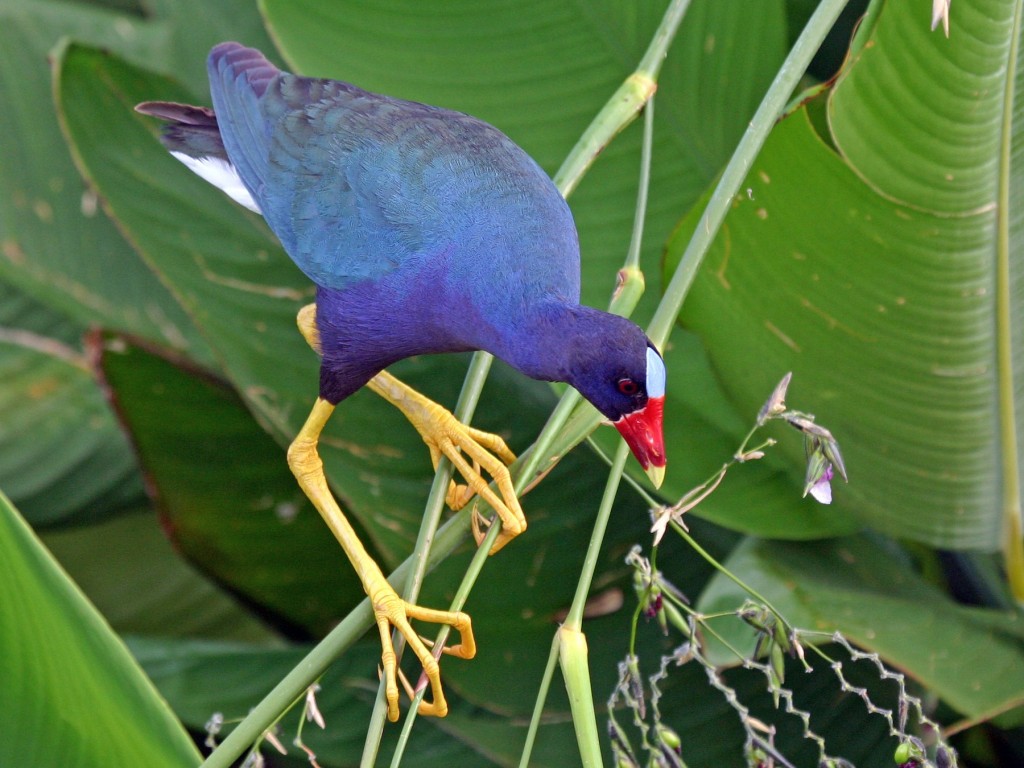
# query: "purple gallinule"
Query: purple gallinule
425,231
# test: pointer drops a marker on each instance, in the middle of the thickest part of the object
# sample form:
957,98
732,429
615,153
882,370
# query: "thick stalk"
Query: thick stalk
572,642
624,105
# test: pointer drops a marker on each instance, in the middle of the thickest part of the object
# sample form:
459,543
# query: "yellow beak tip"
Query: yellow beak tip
656,474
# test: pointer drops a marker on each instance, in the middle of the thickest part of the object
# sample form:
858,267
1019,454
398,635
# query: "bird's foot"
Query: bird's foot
489,453
471,451
389,609
392,611
459,494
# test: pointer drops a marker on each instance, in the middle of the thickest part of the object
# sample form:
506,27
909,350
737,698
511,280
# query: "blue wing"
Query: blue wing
356,184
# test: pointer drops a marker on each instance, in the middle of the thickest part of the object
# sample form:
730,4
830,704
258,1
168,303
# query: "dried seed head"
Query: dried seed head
775,405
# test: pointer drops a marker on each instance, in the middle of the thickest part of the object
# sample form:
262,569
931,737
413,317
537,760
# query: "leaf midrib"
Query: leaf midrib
1013,543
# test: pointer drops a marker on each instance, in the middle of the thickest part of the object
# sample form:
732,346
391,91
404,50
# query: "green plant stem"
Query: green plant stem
574,619
538,705
735,172
726,572
403,737
572,650
706,627
624,105
574,662
641,601
643,188
573,659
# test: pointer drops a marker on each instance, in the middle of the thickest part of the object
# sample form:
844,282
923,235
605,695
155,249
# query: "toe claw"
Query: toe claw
480,526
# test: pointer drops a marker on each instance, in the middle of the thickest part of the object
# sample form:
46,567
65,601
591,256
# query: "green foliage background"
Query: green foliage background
151,374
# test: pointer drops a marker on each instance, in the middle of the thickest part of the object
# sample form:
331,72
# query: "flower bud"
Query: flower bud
776,403
669,738
778,660
908,754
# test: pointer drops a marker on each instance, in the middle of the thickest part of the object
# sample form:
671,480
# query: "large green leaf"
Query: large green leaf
56,242
194,27
875,272
130,571
63,456
71,694
972,658
224,491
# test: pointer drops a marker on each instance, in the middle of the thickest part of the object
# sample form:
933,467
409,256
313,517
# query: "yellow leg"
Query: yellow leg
389,609
447,436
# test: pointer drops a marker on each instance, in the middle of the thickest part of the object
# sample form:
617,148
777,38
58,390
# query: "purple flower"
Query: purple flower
822,490
823,461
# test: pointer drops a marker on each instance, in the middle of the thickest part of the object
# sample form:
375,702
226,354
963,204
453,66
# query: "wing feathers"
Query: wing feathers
239,77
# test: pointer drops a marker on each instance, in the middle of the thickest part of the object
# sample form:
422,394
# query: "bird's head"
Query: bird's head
621,373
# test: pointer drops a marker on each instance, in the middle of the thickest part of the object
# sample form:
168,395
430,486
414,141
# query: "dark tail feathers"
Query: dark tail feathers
188,129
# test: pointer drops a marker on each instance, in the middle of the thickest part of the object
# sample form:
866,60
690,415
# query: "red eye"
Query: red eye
628,387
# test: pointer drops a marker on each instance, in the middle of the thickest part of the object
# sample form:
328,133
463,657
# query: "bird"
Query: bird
425,231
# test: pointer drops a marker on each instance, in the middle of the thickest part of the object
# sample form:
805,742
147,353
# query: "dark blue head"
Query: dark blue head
621,373
611,362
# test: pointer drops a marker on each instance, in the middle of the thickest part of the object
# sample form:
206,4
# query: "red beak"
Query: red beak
642,432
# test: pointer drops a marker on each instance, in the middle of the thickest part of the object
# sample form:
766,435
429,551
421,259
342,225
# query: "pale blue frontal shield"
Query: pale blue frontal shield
655,374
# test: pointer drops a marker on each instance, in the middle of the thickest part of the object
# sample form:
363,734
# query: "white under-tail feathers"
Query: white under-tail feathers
222,175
